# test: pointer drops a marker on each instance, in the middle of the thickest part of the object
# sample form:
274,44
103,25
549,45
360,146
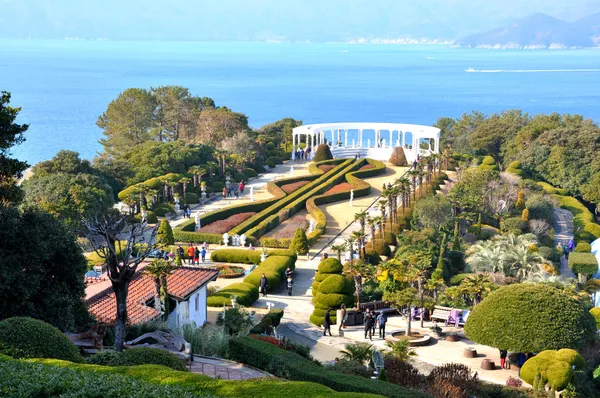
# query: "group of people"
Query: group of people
568,248
303,154
263,283
234,190
371,320
195,254
187,212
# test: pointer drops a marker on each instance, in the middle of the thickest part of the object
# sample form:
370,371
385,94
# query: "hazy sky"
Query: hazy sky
315,20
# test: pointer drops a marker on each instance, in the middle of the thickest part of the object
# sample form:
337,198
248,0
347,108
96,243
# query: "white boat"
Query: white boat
471,70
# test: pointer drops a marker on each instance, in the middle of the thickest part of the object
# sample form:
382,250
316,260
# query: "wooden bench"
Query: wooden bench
441,313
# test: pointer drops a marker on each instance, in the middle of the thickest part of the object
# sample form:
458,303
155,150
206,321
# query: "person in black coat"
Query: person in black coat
369,321
263,285
327,323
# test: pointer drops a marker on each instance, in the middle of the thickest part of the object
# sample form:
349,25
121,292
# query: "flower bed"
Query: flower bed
281,237
289,188
230,271
326,167
367,167
343,187
222,226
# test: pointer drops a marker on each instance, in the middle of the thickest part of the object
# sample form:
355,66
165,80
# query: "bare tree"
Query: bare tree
122,245
539,227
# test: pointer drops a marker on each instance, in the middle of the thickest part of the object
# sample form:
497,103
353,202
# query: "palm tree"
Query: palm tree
361,218
446,153
382,207
360,237
339,248
371,222
212,166
197,172
401,299
378,220
477,287
360,272
158,270
414,175
184,182
359,352
486,256
522,262
350,246
422,173
401,349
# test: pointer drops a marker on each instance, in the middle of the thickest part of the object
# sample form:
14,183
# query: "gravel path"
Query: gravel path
563,227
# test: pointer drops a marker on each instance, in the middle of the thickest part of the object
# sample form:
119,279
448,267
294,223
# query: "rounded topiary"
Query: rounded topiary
299,244
398,157
554,366
530,318
162,209
164,236
372,257
583,247
330,265
517,165
583,263
22,337
138,356
488,161
151,217
596,314
323,153
335,284
191,198
381,247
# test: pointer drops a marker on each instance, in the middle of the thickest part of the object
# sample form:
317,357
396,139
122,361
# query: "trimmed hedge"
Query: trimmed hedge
275,160
246,294
236,256
53,377
583,247
323,153
555,366
152,183
550,190
330,290
151,217
398,157
582,217
293,366
271,318
531,318
274,268
381,247
138,356
250,173
191,198
596,314
22,337
330,265
162,209
583,263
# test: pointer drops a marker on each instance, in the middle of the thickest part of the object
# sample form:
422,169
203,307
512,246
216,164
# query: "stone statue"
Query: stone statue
353,144
177,207
144,215
252,193
351,196
311,226
292,171
198,222
243,240
226,238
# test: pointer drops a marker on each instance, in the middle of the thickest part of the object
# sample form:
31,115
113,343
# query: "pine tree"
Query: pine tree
525,215
520,201
165,234
299,243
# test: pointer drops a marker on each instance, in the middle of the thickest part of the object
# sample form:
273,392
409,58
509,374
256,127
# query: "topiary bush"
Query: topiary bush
555,366
138,356
191,198
583,247
162,209
330,290
323,153
246,294
583,263
22,337
164,236
596,314
514,223
299,243
381,247
531,318
151,217
398,157
250,173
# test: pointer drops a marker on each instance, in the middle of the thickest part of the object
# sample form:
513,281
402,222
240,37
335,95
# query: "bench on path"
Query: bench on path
451,316
441,313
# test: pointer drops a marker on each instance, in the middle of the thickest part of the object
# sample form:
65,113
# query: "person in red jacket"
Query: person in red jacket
190,252
242,186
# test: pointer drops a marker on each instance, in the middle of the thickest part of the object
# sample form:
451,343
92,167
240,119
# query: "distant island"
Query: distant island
538,31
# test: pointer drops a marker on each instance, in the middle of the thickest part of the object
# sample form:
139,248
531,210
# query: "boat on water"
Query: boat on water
471,70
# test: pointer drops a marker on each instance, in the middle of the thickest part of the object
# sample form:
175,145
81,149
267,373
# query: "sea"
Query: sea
63,86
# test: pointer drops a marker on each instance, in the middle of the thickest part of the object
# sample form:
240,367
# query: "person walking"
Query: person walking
368,323
224,192
242,186
503,354
263,285
180,252
288,273
203,253
343,316
190,252
571,245
196,256
327,323
381,321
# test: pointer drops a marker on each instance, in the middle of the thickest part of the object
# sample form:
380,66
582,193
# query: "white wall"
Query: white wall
191,311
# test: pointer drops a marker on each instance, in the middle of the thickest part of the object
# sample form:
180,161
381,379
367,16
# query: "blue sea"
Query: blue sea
63,86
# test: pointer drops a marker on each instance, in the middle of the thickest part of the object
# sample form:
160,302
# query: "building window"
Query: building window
197,302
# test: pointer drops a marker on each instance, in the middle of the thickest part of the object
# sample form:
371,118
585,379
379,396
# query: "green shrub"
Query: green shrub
191,198
488,161
165,237
516,165
584,236
246,294
217,186
274,268
540,208
292,366
554,366
593,229
271,319
330,265
514,223
583,247
532,318
58,378
517,172
351,368
596,314
581,214
323,153
274,160
162,209
151,217
381,247
138,356
372,257
583,263
457,279
236,256
299,243
250,173
336,284
22,337
550,190
398,157
548,253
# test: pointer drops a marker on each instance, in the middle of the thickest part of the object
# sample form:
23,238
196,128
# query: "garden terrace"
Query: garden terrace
222,226
185,232
281,236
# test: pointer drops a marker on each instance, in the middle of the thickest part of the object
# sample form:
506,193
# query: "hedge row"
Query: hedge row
246,294
138,356
152,183
272,318
583,263
54,378
236,256
274,268
292,366
582,217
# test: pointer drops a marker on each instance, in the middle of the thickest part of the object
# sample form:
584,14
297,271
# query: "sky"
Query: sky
263,20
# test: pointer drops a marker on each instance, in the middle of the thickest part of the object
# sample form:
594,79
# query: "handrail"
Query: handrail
349,225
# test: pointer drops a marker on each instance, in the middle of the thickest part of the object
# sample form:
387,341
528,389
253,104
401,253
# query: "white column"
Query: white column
346,138
391,138
360,138
332,138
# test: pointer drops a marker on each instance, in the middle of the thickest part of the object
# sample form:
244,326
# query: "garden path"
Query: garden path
564,228
226,370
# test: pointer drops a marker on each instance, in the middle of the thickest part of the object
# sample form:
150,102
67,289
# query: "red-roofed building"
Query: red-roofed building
187,291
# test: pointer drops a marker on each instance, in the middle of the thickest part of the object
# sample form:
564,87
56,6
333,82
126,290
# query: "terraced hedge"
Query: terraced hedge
186,231
153,183
583,218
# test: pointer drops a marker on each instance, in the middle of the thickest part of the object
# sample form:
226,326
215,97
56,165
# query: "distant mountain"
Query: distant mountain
539,31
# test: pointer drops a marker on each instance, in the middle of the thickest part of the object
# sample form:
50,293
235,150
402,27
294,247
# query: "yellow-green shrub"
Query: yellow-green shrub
554,366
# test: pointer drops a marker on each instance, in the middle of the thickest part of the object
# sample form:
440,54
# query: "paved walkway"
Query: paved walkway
563,227
226,370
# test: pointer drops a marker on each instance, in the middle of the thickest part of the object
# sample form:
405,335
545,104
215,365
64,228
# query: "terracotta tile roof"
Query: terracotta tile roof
180,284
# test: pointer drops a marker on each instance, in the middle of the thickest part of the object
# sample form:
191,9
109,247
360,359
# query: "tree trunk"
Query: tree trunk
408,325
121,290
421,299
157,305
